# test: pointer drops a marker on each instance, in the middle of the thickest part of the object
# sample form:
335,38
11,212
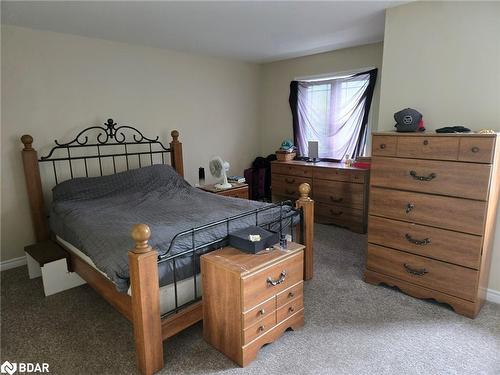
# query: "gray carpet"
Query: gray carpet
351,328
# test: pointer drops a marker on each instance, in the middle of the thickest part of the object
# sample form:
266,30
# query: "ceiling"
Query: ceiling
253,31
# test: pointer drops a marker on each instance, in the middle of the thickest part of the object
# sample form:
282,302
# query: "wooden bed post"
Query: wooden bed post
176,153
34,187
145,302
307,205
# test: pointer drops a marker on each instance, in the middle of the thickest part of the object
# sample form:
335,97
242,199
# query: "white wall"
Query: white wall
55,84
443,58
276,118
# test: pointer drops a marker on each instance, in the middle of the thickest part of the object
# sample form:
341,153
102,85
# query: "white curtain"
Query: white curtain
332,112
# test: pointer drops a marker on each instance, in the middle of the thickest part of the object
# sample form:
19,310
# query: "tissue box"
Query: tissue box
239,239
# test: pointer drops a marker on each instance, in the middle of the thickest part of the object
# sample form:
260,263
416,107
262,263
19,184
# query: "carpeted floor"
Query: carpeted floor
351,328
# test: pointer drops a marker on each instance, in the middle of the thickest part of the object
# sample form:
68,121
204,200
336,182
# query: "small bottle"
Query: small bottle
346,160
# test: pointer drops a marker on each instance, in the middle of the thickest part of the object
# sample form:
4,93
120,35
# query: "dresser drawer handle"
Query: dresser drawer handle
382,146
289,181
430,177
338,213
291,295
475,149
425,241
261,329
426,142
289,192
409,207
336,200
416,272
262,311
291,309
280,280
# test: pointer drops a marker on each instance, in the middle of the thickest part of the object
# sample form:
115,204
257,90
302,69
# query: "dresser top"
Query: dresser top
320,164
244,263
432,134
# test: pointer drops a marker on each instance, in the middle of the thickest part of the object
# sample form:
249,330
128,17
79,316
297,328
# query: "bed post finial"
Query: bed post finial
140,235
176,153
306,230
175,135
304,190
27,141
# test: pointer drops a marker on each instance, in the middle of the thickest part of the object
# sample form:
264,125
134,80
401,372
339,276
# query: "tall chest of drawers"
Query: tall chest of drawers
249,300
340,192
432,212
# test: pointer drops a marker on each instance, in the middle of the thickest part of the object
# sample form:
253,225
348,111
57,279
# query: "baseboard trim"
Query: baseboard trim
493,296
12,263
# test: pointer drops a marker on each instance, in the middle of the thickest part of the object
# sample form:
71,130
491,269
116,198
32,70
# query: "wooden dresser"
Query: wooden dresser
433,202
250,299
340,192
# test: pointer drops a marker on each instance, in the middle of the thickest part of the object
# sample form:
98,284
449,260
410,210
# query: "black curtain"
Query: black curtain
293,100
364,99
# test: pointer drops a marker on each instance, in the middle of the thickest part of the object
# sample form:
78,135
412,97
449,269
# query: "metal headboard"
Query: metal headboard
116,138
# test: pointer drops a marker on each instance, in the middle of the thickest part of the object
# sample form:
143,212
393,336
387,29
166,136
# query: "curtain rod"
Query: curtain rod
326,76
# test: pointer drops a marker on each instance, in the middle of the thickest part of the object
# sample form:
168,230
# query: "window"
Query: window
334,112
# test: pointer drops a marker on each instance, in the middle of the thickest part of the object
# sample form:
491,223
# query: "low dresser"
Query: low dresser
339,191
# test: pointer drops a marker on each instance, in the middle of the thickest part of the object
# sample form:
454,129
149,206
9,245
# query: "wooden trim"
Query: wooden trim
143,270
34,187
102,286
176,153
307,205
175,323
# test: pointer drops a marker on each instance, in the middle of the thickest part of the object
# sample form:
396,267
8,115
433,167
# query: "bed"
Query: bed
156,284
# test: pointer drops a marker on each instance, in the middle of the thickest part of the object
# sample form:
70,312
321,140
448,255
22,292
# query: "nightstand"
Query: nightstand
237,191
249,300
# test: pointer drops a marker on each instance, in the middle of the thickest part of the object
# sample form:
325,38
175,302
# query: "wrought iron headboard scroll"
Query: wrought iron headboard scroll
110,134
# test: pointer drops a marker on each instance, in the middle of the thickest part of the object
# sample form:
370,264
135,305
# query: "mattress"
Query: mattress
96,216
185,288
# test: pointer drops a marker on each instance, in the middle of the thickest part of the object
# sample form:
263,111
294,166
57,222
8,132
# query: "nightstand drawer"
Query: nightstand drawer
271,280
289,309
259,328
289,294
259,312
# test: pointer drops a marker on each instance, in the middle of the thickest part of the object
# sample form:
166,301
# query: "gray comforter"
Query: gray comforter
96,216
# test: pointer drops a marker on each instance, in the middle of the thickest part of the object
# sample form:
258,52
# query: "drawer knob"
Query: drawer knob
278,281
336,200
426,142
475,149
336,213
291,295
382,146
289,180
430,177
262,311
291,309
409,207
412,240
261,329
414,271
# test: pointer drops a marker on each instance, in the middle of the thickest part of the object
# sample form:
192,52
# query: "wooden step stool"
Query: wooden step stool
52,262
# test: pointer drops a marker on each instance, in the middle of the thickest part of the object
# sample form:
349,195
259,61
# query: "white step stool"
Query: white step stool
51,261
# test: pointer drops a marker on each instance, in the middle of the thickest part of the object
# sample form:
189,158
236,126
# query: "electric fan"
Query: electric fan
218,169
